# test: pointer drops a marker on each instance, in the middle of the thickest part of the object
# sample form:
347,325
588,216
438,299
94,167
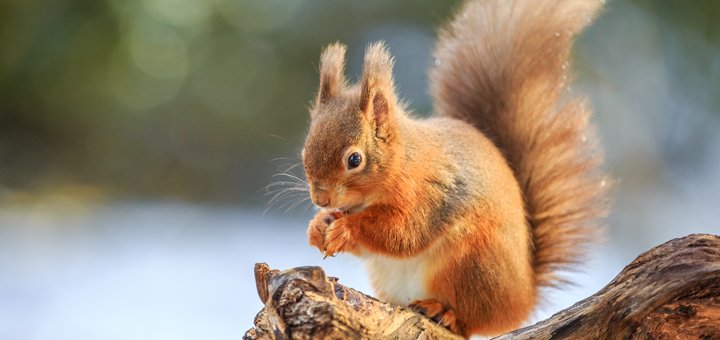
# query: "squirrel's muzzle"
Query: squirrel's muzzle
320,198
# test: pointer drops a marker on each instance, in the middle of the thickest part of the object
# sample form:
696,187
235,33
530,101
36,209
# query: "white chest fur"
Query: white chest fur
398,281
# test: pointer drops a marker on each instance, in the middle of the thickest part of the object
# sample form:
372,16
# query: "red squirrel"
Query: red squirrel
465,215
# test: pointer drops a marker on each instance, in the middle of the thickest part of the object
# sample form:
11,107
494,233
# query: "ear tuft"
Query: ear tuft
332,69
378,66
377,94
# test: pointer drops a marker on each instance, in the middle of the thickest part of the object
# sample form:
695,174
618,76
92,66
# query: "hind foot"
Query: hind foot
437,312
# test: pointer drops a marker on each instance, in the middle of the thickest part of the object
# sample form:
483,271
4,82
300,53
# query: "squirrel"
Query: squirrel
464,215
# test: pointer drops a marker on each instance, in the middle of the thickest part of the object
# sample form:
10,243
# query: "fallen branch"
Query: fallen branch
302,303
670,291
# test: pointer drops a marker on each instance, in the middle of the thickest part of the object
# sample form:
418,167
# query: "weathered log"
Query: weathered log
669,292
303,303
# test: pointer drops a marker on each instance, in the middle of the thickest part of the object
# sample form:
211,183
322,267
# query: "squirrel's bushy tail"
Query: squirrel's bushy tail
502,65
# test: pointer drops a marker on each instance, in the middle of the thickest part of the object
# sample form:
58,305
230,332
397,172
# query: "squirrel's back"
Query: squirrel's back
502,66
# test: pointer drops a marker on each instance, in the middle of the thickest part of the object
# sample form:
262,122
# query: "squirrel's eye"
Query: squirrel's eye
354,160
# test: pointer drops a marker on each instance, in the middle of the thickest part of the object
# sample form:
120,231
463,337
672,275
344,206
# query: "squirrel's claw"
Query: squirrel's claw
337,238
437,312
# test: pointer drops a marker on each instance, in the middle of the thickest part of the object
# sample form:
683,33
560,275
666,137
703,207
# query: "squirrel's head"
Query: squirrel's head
351,144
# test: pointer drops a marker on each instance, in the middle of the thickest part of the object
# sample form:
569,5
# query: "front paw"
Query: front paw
338,238
317,229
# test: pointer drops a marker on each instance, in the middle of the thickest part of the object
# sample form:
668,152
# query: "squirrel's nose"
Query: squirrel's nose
321,199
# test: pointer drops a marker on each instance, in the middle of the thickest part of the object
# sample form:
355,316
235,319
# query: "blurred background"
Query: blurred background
137,139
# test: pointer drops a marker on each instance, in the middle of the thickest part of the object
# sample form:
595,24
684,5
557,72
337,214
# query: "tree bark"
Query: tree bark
669,292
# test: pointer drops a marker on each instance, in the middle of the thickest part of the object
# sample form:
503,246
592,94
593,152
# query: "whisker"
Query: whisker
290,176
284,184
282,159
292,167
281,201
276,136
288,192
279,196
291,190
283,195
272,187
296,203
290,202
298,188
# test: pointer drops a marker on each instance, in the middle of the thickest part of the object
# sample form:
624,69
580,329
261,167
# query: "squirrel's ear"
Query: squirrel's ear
332,69
377,94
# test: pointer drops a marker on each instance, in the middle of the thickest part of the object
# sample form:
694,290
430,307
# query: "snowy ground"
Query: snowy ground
166,270
143,271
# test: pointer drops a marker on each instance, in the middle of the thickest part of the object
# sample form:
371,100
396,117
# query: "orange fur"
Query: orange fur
464,214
